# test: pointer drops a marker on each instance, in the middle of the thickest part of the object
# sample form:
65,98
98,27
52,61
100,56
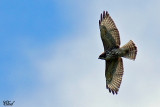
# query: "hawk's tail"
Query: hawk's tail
130,50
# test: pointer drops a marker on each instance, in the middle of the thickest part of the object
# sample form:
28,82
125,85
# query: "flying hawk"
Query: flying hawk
113,52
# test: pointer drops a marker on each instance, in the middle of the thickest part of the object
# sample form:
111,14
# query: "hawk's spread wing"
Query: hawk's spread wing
109,32
114,73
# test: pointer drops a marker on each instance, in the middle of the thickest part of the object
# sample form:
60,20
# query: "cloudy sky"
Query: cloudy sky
49,53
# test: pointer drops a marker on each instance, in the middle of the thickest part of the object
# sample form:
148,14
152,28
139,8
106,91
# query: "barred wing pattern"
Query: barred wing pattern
110,37
114,73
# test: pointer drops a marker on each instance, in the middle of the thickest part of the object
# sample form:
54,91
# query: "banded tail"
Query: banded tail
130,50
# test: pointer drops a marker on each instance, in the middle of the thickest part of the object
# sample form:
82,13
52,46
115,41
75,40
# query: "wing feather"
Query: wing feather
109,32
114,73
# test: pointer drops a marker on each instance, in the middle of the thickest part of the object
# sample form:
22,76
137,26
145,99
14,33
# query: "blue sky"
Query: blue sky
49,53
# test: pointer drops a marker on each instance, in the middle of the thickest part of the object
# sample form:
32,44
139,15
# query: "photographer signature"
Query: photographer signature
8,103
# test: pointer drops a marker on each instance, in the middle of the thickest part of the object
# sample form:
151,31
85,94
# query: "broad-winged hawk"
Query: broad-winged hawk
113,52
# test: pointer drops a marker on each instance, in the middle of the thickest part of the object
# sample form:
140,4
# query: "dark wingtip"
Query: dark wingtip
116,92
107,86
101,16
99,22
113,92
109,90
104,14
107,14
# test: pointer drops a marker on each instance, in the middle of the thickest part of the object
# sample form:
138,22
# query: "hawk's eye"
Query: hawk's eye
106,52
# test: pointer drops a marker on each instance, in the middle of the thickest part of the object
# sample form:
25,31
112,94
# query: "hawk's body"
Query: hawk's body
112,52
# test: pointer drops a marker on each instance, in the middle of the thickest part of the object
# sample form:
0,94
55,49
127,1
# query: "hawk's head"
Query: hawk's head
102,56
109,55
